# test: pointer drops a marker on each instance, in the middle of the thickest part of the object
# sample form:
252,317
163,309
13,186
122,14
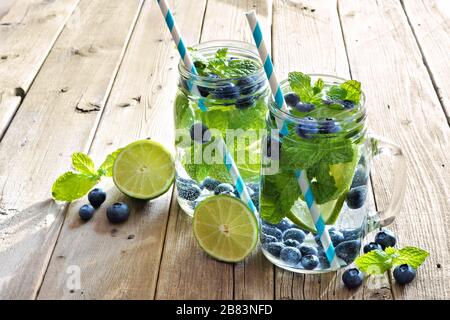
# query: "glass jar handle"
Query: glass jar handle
377,147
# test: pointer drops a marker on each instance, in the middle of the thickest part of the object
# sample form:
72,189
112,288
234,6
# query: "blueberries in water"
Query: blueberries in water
294,234
255,199
310,262
245,103
253,186
249,191
227,91
291,99
336,236
188,191
385,238
329,126
204,91
348,250
352,278
222,188
274,248
360,178
347,104
247,86
271,231
372,246
304,107
290,255
404,274
267,239
184,180
323,259
307,128
356,197
352,234
283,225
200,133
308,250
209,184
118,212
86,212
96,197
292,243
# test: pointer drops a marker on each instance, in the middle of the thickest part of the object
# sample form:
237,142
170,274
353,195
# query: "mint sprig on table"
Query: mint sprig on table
73,185
378,261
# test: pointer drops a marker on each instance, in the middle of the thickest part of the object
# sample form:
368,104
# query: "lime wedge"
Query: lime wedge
225,228
144,170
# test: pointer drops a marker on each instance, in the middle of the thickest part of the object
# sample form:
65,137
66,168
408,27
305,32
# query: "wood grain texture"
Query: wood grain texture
126,257
28,30
403,107
312,26
58,117
430,21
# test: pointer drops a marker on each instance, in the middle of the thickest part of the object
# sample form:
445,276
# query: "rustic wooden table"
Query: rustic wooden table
94,75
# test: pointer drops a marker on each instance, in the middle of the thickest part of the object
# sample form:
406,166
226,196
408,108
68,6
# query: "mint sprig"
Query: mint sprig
73,185
378,261
349,90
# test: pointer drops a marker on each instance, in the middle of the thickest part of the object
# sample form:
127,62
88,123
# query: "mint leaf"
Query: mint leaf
336,93
222,53
374,262
349,90
71,186
323,183
107,166
83,163
318,86
241,68
300,83
410,255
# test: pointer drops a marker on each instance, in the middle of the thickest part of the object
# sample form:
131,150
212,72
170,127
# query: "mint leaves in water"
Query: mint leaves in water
378,261
73,185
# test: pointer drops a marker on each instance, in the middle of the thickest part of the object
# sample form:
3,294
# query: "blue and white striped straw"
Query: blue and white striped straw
282,126
227,158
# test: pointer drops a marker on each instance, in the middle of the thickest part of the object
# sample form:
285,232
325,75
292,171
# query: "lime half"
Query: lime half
225,228
144,170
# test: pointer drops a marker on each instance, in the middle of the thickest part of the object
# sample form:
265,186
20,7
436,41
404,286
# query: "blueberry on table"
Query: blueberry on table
86,212
360,178
96,197
292,243
209,184
352,278
294,234
404,274
227,91
372,246
271,231
304,107
247,86
336,236
291,99
274,248
290,255
188,192
385,238
200,133
356,197
348,250
310,261
223,187
245,103
267,239
118,212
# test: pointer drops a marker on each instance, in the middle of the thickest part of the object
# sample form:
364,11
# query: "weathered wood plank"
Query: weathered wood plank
430,21
314,45
122,261
403,106
28,30
58,116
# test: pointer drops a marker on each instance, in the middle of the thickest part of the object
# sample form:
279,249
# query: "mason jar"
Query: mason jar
336,154
231,109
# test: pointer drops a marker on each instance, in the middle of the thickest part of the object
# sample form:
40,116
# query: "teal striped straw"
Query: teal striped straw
227,158
302,179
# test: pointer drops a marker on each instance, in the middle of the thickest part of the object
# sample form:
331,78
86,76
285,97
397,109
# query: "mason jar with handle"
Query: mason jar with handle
332,145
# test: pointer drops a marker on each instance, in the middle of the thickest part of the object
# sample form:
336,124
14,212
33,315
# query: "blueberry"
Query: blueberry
86,212
274,248
245,103
253,186
308,250
291,99
294,234
336,236
292,243
204,91
96,197
247,85
329,126
356,197
200,133
348,250
360,178
227,91
347,104
307,128
188,192
404,274
184,180
271,231
385,238
352,234
325,264
310,262
290,255
283,225
249,191
118,212
267,239
352,278
372,246
223,187
255,199
209,184
304,107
